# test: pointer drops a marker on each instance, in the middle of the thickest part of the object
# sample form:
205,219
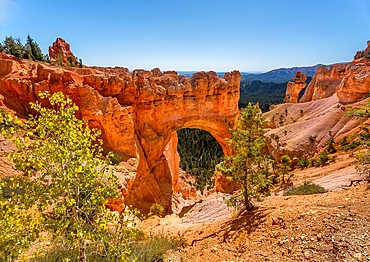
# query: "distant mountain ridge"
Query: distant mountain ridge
190,73
280,75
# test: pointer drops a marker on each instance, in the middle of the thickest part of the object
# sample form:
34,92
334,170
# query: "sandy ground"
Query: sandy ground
333,176
326,227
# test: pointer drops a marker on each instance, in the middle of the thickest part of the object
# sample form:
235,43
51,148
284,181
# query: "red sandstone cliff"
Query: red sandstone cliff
324,82
349,81
138,112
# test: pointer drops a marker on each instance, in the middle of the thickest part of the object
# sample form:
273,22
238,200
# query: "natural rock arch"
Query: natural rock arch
138,113
215,111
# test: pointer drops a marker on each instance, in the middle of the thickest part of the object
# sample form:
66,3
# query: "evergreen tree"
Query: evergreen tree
199,154
71,61
33,49
248,167
14,47
59,59
47,58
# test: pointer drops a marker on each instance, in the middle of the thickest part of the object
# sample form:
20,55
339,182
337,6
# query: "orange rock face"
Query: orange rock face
294,87
60,46
350,81
223,184
356,82
324,83
138,113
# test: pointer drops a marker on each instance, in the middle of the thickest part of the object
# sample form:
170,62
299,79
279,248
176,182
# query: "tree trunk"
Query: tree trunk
81,248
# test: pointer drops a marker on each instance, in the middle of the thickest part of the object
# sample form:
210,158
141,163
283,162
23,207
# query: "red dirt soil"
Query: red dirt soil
333,226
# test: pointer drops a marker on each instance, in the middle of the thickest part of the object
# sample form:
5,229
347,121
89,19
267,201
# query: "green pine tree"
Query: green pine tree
248,167
14,47
33,49
199,153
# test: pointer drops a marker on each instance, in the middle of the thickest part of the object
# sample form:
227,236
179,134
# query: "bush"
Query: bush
308,188
7,121
303,163
153,248
156,209
71,61
114,159
323,158
281,169
330,148
345,145
140,248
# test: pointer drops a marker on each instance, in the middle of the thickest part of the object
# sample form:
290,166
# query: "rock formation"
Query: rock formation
308,125
60,48
363,53
324,82
294,87
356,82
138,112
349,81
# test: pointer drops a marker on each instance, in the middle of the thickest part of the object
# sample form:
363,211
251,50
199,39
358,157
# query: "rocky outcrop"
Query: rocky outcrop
363,53
324,83
138,112
295,87
349,81
61,48
1,101
224,184
356,82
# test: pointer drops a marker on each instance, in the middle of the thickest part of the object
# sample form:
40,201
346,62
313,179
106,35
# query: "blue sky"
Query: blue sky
182,35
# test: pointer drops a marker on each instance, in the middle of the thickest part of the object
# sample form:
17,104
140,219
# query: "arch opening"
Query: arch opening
199,154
